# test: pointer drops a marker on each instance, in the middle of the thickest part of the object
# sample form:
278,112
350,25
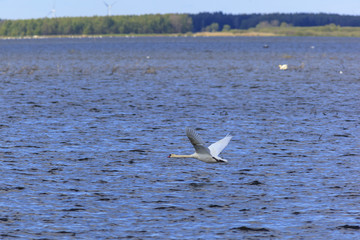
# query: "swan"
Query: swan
283,67
206,154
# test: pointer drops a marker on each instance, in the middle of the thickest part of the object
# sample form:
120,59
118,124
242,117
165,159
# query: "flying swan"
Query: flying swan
206,154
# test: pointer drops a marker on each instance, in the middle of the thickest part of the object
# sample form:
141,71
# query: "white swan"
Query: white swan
283,67
206,154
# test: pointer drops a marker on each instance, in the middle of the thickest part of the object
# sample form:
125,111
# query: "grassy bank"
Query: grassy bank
321,31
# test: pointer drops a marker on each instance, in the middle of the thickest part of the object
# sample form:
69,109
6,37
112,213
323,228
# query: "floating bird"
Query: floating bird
206,154
283,67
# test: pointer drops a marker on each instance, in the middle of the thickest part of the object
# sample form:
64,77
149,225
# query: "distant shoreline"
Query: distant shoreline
203,24
322,31
199,34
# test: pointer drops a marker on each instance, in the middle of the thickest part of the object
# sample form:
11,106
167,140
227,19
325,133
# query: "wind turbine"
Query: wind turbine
53,11
109,6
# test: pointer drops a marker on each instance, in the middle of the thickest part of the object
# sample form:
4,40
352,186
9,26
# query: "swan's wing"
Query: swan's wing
194,137
196,141
217,147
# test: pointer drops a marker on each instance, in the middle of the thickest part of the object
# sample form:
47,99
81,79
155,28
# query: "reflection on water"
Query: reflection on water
87,125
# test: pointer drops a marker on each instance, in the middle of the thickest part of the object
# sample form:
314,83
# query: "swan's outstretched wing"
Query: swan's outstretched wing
196,141
217,147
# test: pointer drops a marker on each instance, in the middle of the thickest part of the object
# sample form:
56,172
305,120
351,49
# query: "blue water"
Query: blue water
86,126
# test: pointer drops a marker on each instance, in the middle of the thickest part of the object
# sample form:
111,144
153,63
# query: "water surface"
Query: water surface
87,124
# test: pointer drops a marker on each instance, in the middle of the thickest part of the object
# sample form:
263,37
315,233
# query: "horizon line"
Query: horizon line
269,13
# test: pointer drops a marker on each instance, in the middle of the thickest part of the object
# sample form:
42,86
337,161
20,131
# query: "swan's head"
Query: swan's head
171,155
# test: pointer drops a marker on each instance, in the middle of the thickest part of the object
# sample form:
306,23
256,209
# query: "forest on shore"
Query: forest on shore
277,23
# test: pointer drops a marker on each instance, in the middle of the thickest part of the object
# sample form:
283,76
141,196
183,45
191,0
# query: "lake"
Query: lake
87,124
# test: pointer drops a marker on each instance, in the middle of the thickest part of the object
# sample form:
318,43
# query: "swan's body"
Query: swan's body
206,154
283,67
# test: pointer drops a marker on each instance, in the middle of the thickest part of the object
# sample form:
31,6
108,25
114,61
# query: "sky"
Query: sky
27,9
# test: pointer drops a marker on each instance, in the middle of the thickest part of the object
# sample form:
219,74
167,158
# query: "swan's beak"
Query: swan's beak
169,156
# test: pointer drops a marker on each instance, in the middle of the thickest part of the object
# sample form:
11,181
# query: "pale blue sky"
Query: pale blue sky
25,9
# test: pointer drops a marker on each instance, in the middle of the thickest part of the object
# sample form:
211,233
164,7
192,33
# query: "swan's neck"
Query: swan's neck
182,156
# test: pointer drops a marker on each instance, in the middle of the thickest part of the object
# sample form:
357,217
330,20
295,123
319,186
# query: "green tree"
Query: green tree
214,27
226,28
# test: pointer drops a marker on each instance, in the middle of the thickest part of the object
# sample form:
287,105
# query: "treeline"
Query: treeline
211,21
167,23
143,24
